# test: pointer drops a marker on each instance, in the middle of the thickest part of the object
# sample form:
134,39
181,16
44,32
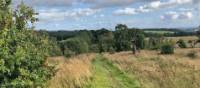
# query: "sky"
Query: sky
96,14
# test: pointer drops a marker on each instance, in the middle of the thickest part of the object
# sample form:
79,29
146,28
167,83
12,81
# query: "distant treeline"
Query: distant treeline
104,40
62,35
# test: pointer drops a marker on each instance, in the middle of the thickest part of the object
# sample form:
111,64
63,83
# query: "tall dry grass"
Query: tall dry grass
161,71
72,73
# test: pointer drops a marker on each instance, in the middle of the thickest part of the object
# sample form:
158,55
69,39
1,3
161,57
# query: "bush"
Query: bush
23,52
167,49
22,59
75,45
181,43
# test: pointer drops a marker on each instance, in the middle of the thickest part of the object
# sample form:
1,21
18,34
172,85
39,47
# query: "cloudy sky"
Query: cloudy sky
95,14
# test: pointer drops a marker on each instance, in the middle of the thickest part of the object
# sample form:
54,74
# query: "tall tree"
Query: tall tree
122,41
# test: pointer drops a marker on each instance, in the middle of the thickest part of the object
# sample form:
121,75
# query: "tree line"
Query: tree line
121,39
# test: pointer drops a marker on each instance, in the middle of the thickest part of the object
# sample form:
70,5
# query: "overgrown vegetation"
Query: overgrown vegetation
160,71
181,43
167,48
23,52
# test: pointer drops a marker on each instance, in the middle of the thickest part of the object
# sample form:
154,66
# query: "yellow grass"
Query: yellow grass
161,71
150,68
72,73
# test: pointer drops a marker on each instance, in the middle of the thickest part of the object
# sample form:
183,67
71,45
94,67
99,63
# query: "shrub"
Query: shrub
181,43
167,49
23,52
23,55
76,45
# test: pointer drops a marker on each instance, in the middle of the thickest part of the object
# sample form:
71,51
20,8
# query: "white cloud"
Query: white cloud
93,3
126,11
112,3
166,4
81,12
58,15
186,9
46,3
177,16
152,6
130,11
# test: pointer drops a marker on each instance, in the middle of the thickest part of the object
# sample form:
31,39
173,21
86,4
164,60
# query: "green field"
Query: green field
159,32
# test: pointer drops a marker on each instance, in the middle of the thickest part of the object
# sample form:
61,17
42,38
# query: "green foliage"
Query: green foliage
23,52
106,42
94,48
122,42
181,43
167,48
85,36
140,41
75,45
154,43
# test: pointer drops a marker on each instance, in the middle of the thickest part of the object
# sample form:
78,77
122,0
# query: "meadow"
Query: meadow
120,57
147,69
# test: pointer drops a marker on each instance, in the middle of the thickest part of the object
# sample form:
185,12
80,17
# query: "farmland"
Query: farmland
159,32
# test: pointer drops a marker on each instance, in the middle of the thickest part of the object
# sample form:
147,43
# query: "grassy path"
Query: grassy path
106,75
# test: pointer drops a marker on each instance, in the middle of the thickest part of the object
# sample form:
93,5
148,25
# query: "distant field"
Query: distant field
159,32
147,69
186,38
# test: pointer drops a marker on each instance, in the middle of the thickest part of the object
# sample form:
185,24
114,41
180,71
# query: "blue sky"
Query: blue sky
96,14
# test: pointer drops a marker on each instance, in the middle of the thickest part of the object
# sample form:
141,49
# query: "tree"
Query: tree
122,41
106,42
23,52
138,43
75,45
23,15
